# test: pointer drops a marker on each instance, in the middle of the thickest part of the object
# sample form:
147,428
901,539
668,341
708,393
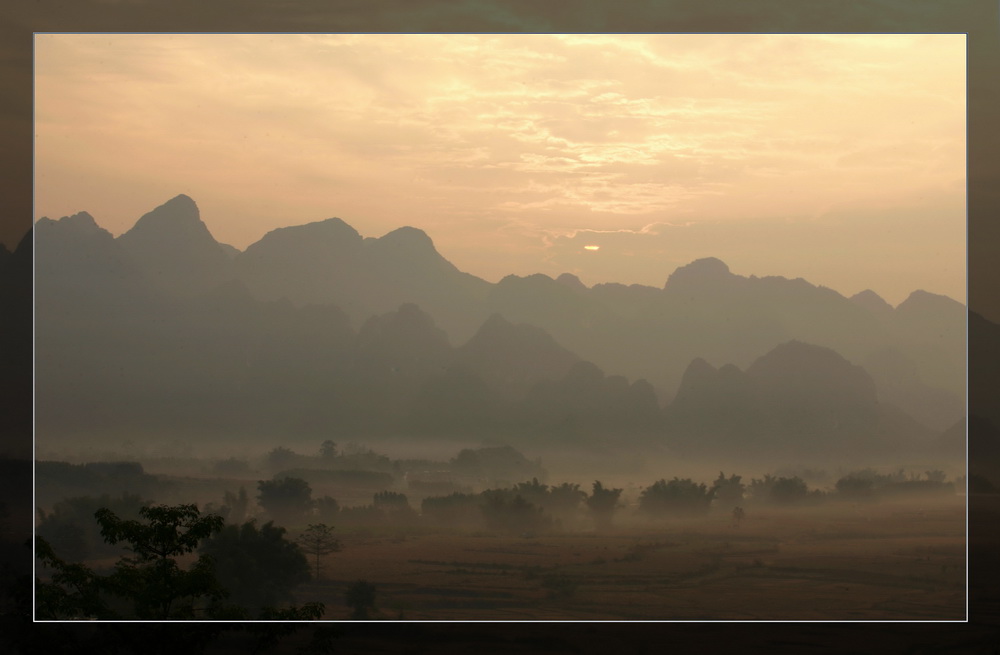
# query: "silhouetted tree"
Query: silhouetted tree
779,490
853,487
533,492
511,513
281,458
564,500
286,499
259,566
675,497
328,450
602,504
728,490
318,540
360,597
150,581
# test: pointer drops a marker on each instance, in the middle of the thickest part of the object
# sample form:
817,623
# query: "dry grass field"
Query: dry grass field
885,561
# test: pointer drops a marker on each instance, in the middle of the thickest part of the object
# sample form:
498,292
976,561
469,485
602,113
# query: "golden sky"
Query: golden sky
837,158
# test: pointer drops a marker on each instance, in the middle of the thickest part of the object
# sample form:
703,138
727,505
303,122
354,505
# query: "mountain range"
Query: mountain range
316,329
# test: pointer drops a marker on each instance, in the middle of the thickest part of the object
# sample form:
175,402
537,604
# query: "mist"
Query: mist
525,449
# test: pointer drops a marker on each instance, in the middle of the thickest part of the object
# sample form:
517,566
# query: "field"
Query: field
885,561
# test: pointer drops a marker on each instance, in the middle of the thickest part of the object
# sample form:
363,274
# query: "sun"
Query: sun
591,247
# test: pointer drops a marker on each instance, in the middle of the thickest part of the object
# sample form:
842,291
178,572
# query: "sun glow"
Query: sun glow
591,247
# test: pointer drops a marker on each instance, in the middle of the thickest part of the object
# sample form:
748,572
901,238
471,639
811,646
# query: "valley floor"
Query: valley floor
836,562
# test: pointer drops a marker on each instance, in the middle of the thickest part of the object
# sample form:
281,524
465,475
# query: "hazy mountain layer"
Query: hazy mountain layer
315,329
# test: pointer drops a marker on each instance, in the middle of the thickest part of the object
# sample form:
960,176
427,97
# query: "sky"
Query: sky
618,158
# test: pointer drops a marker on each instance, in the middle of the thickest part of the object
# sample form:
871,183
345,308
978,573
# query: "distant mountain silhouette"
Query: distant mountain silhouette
798,399
872,302
175,249
513,358
701,276
586,402
315,329
329,262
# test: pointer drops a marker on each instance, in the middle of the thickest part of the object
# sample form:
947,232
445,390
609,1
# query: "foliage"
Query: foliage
602,503
676,497
360,597
318,540
395,507
287,500
868,484
390,500
509,512
728,490
70,526
856,488
150,582
327,509
565,499
259,566
282,458
328,450
534,491
782,490
561,501
496,464
96,478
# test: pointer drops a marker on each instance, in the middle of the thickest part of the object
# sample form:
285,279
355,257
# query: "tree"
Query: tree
394,506
328,450
676,497
360,597
788,490
318,540
602,504
281,458
564,501
511,514
327,509
259,566
779,490
854,487
287,500
728,490
150,582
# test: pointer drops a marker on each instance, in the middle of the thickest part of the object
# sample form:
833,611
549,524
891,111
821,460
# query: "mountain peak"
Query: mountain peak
706,269
174,247
81,220
571,281
79,225
925,300
871,301
176,220
409,235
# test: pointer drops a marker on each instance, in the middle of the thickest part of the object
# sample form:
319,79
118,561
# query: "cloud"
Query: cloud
545,135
